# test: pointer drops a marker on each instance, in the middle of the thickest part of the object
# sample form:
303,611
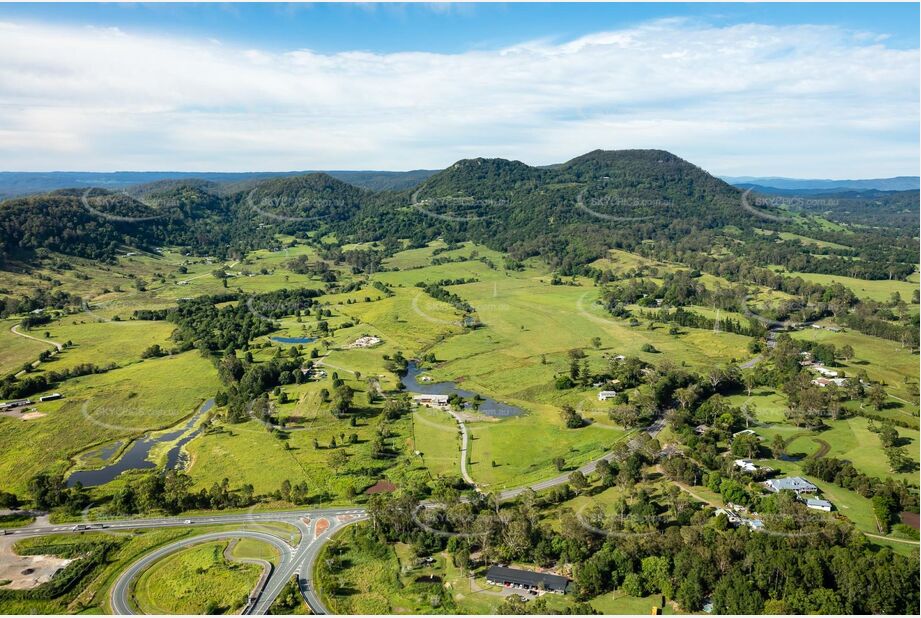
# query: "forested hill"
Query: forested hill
569,214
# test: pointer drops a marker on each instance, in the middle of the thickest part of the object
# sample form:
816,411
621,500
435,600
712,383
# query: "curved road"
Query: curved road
120,593
315,525
57,345
54,343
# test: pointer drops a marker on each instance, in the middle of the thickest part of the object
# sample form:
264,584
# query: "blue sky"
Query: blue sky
758,89
445,27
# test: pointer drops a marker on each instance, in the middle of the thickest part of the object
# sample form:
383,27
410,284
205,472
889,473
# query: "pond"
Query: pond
489,407
292,339
136,456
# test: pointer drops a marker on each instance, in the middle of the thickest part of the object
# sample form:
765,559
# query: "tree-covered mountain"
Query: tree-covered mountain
16,184
568,214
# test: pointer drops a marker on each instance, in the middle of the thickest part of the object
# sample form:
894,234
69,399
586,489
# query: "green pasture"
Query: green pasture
437,437
197,580
98,409
880,289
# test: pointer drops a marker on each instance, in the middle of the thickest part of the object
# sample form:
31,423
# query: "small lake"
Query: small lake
489,407
292,339
135,458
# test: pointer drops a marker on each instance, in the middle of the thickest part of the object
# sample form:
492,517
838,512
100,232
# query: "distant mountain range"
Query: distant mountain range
811,185
13,184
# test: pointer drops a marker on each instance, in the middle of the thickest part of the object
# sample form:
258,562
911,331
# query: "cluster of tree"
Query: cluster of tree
646,547
171,492
690,319
50,491
38,298
438,292
897,496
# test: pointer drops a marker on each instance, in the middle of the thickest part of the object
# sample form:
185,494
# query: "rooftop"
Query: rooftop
793,483
531,579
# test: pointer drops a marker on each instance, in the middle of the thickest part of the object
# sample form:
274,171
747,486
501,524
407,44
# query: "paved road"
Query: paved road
588,468
465,441
120,595
295,560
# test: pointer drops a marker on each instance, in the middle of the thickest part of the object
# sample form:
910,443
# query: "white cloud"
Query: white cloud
752,99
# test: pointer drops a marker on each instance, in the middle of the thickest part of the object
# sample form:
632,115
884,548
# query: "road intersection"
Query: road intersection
316,527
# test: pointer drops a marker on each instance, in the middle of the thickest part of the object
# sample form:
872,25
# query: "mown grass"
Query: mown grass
884,361
197,580
850,439
252,549
436,436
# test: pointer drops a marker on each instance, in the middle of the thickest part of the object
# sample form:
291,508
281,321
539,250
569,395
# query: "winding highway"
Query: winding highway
316,526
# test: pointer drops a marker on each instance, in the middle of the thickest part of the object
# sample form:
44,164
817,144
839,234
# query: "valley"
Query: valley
262,361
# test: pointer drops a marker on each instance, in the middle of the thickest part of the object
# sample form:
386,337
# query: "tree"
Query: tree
571,418
778,446
633,585
846,352
888,435
750,380
687,396
877,395
338,459
560,463
745,445
596,342
734,594
8,500
578,481
898,459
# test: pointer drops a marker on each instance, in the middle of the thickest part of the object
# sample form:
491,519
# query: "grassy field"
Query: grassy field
197,580
849,439
102,408
15,351
884,361
436,436
805,239
620,603
92,595
879,290
102,343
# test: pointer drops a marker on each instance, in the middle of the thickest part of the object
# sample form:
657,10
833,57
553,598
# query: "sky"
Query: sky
797,90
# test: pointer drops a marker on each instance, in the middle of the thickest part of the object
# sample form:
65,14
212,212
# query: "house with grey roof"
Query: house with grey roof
796,484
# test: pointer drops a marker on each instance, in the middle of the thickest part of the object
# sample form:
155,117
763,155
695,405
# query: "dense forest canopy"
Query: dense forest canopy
567,214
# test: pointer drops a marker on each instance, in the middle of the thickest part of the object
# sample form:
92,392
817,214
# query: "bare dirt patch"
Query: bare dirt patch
26,572
32,416
382,486
911,519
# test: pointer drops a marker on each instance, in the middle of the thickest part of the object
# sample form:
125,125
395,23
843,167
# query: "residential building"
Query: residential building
746,465
431,400
526,580
796,484
605,395
818,504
